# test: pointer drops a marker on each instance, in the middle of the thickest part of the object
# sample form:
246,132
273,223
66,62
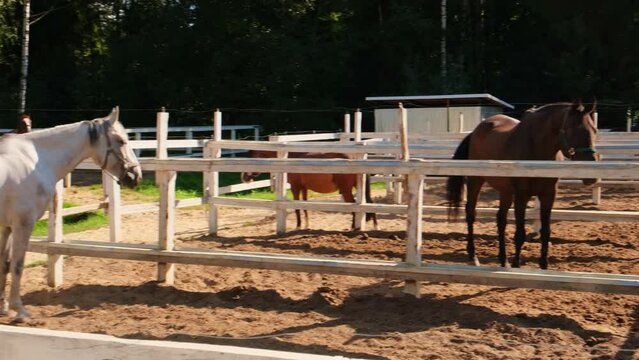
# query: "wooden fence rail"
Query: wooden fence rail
413,270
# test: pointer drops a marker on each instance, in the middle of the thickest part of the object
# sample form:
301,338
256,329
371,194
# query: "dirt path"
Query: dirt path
351,316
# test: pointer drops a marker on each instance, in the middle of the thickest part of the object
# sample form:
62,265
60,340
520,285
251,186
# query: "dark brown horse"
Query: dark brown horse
544,133
321,183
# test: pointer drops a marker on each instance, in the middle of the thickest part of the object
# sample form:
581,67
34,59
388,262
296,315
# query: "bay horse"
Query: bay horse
544,133
30,166
321,183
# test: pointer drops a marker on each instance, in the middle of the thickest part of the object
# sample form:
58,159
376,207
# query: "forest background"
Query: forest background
299,65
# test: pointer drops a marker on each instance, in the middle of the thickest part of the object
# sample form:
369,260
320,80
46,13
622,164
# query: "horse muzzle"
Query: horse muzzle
248,177
132,178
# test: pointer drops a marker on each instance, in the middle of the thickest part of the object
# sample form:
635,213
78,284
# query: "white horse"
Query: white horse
30,166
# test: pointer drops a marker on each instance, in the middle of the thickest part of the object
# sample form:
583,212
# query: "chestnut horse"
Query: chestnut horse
321,183
544,133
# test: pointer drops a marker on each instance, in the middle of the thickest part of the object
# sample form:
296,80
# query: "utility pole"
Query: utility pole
25,56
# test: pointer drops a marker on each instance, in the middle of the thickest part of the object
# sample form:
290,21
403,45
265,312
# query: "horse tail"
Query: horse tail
455,184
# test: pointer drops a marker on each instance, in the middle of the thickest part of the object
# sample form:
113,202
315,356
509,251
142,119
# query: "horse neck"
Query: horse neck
62,148
541,132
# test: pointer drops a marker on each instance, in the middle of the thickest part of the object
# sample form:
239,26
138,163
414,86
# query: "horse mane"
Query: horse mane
94,130
547,107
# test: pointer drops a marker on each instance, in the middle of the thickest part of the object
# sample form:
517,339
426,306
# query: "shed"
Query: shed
437,113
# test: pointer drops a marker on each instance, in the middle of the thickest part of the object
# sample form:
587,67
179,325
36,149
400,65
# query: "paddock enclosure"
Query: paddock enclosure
242,279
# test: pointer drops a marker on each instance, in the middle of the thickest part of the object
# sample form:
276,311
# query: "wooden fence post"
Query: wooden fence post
213,178
137,136
415,184
629,120
189,136
414,229
161,134
114,208
280,191
360,195
347,123
403,139
596,190
67,180
166,183
461,122
55,263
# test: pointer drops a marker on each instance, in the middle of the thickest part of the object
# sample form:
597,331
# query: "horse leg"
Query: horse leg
348,197
505,200
521,199
296,196
546,201
305,197
5,246
474,186
20,235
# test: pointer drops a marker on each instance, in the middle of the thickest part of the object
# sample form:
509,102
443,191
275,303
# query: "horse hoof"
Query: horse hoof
475,261
21,317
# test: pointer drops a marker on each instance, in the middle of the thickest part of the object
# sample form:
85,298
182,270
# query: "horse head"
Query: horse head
578,134
249,176
24,124
112,151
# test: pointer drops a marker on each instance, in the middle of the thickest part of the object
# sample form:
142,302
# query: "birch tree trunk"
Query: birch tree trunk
25,57
443,46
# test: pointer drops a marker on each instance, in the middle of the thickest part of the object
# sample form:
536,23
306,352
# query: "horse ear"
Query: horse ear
592,108
578,106
114,116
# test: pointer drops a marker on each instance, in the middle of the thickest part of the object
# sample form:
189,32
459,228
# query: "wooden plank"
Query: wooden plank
165,179
304,137
310,205
114,209
562,169
78,209
518,278
280,192
55,263
166,230
245,186
212,178
414,230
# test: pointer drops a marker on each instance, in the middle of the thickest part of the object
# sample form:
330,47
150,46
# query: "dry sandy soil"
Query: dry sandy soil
351,316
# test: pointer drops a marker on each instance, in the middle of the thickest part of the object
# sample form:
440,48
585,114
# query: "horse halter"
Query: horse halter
571,150
128,165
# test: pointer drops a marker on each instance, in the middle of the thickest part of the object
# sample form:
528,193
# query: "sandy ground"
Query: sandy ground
351,316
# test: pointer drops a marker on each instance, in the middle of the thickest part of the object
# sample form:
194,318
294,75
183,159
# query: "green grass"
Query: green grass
74,223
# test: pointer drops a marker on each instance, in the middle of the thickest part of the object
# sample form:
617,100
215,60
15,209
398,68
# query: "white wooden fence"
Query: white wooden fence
413,269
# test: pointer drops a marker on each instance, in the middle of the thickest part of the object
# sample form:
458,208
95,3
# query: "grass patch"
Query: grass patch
74,223
36,264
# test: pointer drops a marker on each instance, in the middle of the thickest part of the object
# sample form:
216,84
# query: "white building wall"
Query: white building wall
434,120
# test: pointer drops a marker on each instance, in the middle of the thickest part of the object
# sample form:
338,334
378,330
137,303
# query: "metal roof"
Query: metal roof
442,100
